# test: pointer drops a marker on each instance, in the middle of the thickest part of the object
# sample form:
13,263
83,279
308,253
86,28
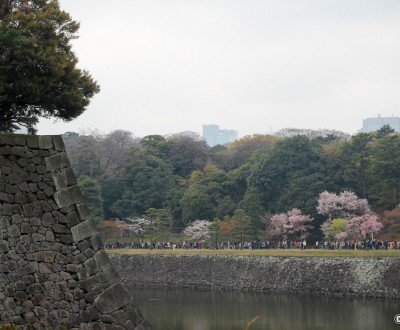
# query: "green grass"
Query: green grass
265,253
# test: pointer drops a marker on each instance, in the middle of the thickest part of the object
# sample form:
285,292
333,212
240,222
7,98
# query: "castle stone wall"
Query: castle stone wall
335,276
53,269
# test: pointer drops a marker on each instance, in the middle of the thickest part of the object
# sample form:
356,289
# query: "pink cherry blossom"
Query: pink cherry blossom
345,205
290,224
363,226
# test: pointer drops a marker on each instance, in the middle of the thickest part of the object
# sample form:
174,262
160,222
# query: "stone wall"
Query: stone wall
53,269
345,276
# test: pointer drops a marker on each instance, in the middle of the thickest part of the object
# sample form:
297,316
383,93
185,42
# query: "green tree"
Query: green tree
338,226
158,223
242,228
91,191
111,192
187,154
355,161
291,165
385,130
215,233
155,145
40,77
206,191
252,205
146,180
384,172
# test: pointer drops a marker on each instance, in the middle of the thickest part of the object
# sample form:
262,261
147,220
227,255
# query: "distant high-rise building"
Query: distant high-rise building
373,124
214,136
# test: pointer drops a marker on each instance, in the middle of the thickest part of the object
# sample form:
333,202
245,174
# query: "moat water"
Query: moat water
197,310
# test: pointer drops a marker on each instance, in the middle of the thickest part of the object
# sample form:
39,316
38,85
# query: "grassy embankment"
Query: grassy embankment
266,253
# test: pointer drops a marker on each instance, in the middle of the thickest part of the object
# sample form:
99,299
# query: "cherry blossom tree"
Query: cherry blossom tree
345,205
363,226
198,230
291,224
118,228
357,221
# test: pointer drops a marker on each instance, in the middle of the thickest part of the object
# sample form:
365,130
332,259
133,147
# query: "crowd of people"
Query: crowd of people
258,245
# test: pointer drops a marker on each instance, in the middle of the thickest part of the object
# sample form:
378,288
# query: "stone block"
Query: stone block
112,299
47,219
13,231
32,141
45,142
57,162
14,178
83,230
20,198
5,222
28,210
26,228
91,266
58,143
37,237
97,243
72,219
110,274
83,211
69,175
4,247
20,248
19,141
48,256
102,259
22,162
60,229
88,284
59,181
16,219
18,151
68,196
41,169
6,140
67,239
83,246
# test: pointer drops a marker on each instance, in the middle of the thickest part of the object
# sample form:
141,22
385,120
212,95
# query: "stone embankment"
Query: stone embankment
53,269
338,276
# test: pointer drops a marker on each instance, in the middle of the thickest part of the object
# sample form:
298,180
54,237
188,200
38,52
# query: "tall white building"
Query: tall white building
214,136
373,124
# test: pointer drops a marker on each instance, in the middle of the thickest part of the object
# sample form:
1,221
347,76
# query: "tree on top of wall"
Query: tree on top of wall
38,69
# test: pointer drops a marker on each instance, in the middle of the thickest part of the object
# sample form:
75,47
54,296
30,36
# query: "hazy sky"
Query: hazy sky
166,66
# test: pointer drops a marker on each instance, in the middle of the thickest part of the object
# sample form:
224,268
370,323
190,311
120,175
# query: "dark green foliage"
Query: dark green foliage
385,130
186,155
252,205
170,175
282,173
355,161
384,172
91,191
242,230
145,181
39,75
205,198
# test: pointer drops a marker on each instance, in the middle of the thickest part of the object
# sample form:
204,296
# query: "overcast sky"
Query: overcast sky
167,66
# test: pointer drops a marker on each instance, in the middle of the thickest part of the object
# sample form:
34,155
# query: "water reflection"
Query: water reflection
194,310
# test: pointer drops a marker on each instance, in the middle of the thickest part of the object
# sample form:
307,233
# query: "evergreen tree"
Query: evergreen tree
92,193
38,76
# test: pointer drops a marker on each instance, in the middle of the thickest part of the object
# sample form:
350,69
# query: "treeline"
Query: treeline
123,176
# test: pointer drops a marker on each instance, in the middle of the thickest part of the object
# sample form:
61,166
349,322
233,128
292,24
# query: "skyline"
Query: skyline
255,67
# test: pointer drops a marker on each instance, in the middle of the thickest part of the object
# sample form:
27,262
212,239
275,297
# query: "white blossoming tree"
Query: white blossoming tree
198,230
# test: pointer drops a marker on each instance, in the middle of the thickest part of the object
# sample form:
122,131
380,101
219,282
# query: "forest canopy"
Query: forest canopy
259,175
